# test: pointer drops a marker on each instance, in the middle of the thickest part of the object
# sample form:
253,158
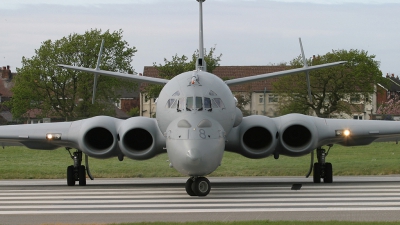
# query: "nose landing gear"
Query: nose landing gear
198,186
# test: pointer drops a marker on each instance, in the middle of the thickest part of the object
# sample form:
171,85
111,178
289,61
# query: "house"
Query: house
6,83
386,92
127,100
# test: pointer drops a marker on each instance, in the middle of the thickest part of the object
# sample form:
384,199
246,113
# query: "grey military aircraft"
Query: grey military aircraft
196,121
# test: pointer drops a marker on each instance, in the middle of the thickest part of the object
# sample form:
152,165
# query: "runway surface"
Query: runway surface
372,198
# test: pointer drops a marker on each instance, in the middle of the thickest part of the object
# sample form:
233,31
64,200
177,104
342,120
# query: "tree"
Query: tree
42,85
180,65
135,111
242,101
332,89
391,107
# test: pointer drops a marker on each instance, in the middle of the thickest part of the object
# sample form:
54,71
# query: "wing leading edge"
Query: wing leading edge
280,73
152,80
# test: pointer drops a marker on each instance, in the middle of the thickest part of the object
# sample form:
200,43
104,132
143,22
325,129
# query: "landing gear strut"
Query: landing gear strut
322,169
198,186
77,172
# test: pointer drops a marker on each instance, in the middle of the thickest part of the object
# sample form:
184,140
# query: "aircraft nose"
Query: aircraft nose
202,158
193,156
195,145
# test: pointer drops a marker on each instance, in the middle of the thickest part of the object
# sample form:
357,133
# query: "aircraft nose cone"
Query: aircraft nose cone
193,156
202,158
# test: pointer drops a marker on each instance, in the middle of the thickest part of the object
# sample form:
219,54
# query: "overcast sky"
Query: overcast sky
246,32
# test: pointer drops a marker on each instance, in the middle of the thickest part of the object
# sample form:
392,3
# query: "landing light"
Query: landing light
52,136
344,133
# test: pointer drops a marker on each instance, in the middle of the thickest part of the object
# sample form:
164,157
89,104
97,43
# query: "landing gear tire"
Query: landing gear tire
82,176
70,176
188,187
317,173
328,177
201,186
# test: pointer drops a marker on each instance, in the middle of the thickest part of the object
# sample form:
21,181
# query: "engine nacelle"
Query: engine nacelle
298,134
256,137
140,138
96,137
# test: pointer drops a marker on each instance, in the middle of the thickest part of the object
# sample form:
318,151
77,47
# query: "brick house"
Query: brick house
384,93
128,100
6,83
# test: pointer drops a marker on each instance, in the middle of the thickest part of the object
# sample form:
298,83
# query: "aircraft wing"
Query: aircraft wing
98,137
280,73
144,79
296,134
34,135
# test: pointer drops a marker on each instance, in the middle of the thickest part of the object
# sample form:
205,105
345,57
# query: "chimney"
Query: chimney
393,75
4,72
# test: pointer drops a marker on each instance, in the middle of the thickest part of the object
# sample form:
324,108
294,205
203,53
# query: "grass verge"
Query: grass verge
374,159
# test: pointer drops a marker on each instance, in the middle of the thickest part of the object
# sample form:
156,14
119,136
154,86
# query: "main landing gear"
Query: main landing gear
322,169
77,172
198,186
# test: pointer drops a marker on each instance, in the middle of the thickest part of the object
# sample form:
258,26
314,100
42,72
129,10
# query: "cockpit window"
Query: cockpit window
177,93
199,103
174,104
171,103
218,103
207,103
212,93
195,103
180,104
189,103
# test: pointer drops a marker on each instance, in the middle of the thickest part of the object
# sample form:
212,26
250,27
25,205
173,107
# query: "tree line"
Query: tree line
55,92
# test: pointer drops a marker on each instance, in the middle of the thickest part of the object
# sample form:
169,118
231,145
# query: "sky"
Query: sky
245,32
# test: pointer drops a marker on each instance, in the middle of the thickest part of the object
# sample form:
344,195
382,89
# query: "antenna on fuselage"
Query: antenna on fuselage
201,63
96,76
307,73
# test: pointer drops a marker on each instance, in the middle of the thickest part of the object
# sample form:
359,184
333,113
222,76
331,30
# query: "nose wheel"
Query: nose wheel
198,186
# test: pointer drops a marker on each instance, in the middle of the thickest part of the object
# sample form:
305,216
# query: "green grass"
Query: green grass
374,159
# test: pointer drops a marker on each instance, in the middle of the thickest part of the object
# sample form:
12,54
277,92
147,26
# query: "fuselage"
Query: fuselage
195,111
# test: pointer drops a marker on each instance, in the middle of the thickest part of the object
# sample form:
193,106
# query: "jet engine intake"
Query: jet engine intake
96,137
299,135
256,137
99,138
140,138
